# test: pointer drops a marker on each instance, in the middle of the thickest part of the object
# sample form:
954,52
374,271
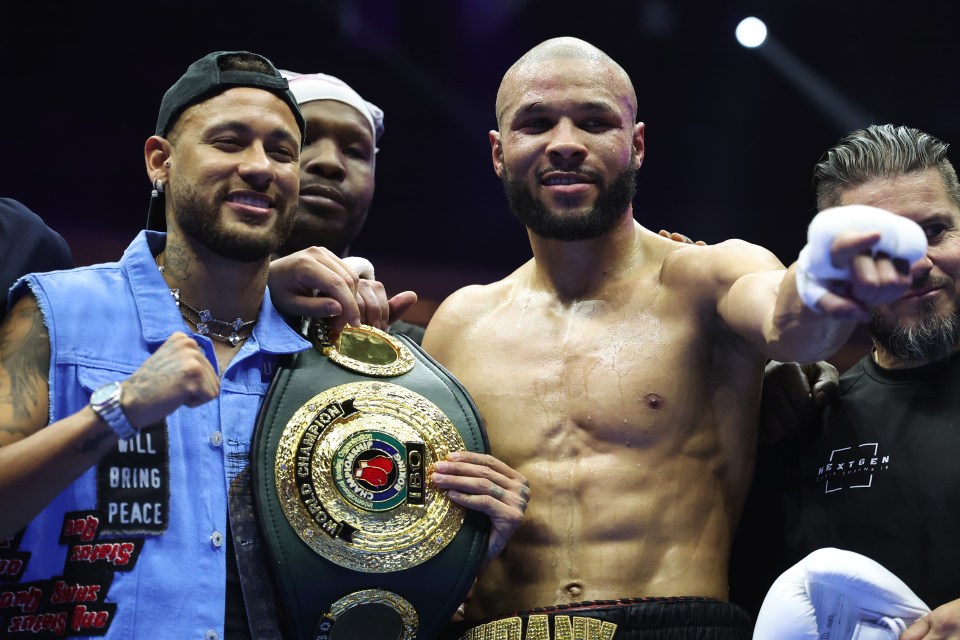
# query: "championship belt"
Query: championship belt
359,542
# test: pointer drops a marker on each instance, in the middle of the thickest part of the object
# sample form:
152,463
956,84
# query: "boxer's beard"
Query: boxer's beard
576,225
932,337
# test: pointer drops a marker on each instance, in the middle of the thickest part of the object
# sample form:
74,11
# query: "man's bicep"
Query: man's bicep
749,304
24,366
749,279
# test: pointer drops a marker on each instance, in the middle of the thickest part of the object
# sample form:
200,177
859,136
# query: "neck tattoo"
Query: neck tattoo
205,323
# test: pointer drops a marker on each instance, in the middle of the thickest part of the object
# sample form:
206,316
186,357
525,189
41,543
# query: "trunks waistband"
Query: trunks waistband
602,619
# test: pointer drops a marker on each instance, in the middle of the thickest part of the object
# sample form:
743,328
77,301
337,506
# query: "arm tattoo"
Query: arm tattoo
25,356
160,371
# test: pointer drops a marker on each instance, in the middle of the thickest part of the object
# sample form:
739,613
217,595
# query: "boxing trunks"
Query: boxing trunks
360,544
675,618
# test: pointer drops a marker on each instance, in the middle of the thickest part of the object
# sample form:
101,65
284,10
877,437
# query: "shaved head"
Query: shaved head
568,144
524,70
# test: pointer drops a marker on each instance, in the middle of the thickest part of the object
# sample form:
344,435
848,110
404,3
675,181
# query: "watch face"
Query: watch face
104,393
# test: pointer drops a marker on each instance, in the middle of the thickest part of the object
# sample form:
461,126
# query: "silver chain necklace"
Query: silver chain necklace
202,319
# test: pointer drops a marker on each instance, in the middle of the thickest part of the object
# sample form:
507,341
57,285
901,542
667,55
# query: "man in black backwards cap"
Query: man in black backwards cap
128,390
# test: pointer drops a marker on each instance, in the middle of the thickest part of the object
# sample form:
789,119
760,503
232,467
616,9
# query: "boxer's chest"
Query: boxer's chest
600,372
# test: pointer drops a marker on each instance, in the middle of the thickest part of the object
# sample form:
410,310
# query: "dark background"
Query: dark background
731,138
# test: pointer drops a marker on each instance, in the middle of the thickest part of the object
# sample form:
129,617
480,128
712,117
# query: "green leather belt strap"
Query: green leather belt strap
359,543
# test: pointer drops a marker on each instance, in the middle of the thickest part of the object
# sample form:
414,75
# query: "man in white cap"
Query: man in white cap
336,171
337,165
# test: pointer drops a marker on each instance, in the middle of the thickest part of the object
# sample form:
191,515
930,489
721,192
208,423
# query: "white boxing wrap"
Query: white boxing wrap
839,595
900,238
362,266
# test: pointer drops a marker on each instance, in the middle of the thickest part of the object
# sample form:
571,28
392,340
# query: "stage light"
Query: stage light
751,32
843,112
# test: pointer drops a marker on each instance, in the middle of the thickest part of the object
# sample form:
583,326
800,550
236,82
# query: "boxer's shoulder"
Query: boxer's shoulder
462,311
473,300
712,269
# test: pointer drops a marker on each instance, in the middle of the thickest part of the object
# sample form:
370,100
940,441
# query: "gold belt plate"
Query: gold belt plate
351,476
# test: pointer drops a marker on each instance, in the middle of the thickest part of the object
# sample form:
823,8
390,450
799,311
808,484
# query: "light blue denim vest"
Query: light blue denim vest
104,321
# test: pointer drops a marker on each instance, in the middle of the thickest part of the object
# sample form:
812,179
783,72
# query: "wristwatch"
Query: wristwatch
106,402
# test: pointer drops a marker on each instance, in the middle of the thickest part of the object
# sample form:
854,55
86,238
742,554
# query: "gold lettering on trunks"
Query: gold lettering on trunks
562,629
508,629
538,628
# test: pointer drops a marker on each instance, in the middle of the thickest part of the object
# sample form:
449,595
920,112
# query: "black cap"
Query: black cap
205,79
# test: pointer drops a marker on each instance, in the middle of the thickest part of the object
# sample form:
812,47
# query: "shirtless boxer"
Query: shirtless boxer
620,371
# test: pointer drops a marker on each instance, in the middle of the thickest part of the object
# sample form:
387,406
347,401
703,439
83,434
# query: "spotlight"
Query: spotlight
751,32
844,113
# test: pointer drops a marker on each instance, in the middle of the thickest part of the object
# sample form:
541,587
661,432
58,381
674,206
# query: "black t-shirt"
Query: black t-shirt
883,476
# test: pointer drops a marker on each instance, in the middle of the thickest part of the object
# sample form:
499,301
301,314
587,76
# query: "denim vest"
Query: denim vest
137,543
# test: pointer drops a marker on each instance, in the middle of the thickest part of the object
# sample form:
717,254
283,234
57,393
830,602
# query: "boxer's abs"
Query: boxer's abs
636,432
604,527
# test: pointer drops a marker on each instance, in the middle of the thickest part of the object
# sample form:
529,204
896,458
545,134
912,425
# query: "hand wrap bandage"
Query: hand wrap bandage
839,595
900,238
